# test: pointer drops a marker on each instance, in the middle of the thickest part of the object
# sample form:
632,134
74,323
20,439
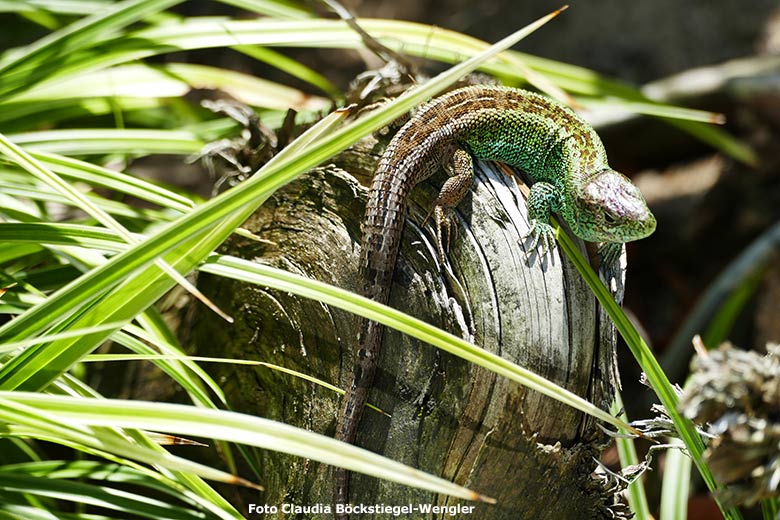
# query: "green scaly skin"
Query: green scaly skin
555,147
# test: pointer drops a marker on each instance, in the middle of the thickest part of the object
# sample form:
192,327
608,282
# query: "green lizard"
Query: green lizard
555,147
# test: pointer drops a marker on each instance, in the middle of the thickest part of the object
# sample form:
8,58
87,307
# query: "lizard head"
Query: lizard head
609,208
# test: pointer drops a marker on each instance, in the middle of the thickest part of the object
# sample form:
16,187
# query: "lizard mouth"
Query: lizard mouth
643,226
624,224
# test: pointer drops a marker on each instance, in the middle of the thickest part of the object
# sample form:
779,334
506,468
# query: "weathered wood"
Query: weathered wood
449,418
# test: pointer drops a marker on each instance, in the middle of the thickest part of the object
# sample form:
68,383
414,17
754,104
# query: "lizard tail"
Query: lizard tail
383,225
353,403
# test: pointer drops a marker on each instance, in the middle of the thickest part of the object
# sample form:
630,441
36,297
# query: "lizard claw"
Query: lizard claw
445,230
542,234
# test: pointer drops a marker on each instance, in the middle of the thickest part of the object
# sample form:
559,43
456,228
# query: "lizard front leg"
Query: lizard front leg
609,253
460,167
542,201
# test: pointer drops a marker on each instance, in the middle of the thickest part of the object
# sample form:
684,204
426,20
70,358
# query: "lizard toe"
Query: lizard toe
542,236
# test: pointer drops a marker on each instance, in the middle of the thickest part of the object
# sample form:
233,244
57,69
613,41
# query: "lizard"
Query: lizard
555,147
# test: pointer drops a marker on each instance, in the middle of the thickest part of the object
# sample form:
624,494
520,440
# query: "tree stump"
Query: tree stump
449,418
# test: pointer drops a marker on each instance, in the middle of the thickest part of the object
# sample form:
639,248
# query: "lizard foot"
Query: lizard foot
542,234
446,229
609,253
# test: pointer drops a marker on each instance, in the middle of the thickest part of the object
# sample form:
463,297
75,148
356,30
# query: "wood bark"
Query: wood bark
449,417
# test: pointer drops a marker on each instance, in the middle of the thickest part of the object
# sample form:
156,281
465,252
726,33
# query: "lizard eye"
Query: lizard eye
609,219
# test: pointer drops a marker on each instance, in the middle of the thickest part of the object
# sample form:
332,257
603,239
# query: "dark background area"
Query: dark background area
635,41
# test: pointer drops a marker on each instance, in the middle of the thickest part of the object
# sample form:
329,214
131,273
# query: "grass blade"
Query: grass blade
637,498
234,427
676,483
652,369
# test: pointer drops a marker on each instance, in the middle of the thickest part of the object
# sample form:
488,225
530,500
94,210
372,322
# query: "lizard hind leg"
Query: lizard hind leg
445,230
460,168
